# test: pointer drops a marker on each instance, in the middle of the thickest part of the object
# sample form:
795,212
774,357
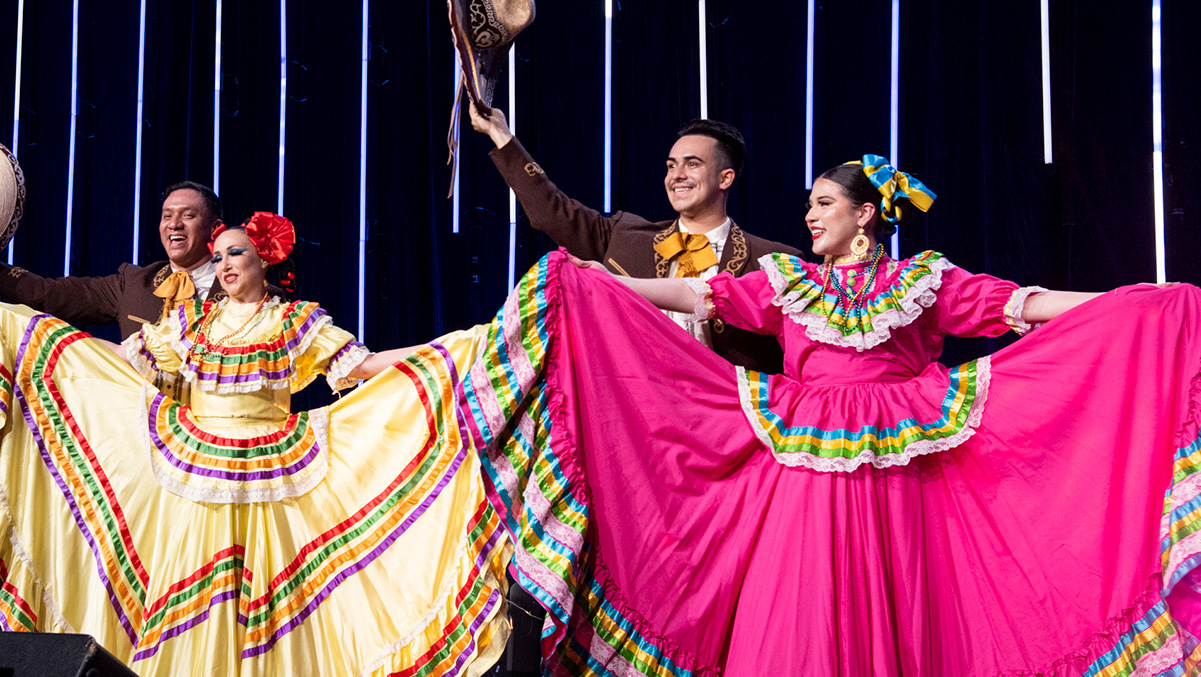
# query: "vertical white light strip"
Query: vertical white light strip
1157,138
704,54
17,98
608,106
456,166
137,160
283,96
512,195
809,97
363,177
894,107
1046,46
71,138
216,102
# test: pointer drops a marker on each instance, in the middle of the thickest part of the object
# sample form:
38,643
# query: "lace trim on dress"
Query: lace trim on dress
22,554
704,299
139,358
1015,308
343,362
910,450
908,305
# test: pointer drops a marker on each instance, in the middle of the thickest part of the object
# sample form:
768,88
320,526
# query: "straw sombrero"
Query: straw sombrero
12,195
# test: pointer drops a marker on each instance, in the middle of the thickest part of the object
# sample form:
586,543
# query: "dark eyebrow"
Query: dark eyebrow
686,157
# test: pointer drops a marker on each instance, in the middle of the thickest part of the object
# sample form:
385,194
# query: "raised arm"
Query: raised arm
583,231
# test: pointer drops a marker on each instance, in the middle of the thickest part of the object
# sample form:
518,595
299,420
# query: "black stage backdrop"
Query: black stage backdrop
970,128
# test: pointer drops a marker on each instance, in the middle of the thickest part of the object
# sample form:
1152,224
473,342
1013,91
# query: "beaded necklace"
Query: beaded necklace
847,301
202,346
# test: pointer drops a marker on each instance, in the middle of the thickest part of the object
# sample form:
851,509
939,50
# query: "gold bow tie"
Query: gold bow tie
693,251
174,290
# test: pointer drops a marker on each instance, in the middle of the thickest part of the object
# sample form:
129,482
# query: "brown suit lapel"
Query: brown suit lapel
663,265
736,252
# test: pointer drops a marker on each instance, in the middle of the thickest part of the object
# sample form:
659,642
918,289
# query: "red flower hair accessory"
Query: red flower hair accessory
272,235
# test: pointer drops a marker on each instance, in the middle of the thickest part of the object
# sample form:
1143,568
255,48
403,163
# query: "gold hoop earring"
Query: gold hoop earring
860,244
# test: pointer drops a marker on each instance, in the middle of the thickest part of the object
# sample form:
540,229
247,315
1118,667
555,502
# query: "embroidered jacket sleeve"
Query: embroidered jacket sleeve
583,231
319,347
78,300
973,304
746,302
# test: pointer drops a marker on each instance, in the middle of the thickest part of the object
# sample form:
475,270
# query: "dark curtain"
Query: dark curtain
970,127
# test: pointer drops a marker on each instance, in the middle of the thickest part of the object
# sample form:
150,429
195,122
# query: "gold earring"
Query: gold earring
860,244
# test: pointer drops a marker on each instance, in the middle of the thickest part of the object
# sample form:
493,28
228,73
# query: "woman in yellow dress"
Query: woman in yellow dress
193,524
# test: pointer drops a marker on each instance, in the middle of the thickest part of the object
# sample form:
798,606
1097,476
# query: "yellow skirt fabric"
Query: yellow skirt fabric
393,564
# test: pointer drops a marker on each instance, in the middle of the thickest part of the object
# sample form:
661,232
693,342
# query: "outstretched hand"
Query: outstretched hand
493,123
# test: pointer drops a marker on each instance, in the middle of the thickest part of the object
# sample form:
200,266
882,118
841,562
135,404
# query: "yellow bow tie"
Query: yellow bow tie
693,251
174,290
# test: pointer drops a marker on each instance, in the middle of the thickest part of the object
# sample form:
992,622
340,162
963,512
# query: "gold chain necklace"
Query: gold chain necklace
202,345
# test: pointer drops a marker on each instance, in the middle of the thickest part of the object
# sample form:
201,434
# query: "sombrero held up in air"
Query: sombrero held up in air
12,195
483,31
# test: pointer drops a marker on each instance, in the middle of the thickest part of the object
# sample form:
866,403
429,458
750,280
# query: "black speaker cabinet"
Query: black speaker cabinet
35,654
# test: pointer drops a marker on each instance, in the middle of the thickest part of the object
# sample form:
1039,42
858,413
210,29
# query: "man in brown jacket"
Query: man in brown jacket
135,295
702,241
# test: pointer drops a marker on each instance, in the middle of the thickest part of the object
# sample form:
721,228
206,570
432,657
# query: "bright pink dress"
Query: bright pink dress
869,512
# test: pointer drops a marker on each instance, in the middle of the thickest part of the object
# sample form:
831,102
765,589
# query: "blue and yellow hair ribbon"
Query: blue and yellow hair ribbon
894,185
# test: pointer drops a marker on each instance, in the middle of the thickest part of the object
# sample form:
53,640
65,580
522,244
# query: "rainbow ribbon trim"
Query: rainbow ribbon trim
800,295
203,467
537,491
16,615
241,368
303,584
883,445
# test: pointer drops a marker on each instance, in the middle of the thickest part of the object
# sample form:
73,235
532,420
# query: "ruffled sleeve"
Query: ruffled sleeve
155,351
746,302
973,304
318,347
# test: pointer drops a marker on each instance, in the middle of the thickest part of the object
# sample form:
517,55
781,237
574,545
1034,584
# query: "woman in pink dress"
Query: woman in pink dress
870,511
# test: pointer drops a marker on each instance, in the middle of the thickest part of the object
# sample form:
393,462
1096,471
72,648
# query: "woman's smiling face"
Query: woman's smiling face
240,270
833,219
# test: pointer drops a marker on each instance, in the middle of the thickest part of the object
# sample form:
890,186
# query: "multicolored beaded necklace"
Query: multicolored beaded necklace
847,301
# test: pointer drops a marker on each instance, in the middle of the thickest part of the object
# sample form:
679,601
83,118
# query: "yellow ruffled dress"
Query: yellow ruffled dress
193,525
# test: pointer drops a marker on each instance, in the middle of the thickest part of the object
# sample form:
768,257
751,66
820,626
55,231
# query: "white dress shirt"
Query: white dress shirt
717,240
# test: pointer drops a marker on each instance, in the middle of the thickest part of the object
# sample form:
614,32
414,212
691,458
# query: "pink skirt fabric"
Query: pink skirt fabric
664,538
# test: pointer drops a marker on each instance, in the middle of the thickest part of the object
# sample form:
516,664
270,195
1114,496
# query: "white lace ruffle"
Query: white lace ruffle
22,554
921,295
1015,308
133,353
338,375
912,450
703,310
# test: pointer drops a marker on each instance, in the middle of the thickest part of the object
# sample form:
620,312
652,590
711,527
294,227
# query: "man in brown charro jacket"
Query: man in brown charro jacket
134,295
701,242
